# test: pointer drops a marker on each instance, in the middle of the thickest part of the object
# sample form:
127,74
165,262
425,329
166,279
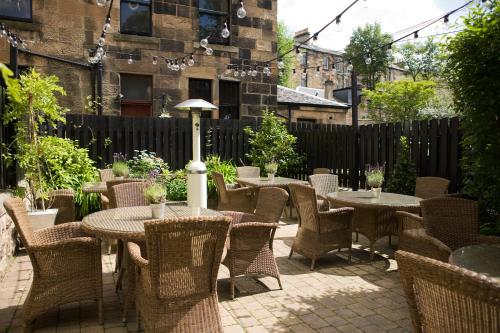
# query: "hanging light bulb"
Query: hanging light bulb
338,25
99,52
249,71
236,72
14,41
209,51
415,34
130,60
446,20
133,5
318,73
228,70
243,73
334,70
3,31
281,64
191,61
155,60
350,66
105,55
368,60
107,25
101,41
241,13
255,72
101,3
183,64
176,66
225,33
204,43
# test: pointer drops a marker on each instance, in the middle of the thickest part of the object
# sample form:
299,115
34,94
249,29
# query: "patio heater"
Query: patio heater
196,170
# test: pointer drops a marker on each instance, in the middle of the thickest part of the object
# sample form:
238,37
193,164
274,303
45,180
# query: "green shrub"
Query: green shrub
404,175
177,189
120,169
146,165
272,142
473,73
226,168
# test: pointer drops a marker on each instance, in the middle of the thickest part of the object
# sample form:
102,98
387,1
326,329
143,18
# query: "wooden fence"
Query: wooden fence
434,144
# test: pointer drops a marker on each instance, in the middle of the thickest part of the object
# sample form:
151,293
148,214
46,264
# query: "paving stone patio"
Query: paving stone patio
365,296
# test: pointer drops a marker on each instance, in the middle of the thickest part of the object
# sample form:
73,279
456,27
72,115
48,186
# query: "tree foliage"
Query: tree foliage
404,176
399,100
473,72
365,43
272,142
421,60
285,43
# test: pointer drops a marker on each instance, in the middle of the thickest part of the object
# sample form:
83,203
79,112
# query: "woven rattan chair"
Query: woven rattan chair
446,298
250,247
324,184
66,264
447,224
321,171
248,172
430,187
319,232
106,175
177,284
111,183
237,200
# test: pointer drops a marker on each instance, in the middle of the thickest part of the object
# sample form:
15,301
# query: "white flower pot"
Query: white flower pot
158,211
270,177
41,219
376,192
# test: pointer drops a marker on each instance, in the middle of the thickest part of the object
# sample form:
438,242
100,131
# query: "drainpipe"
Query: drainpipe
14,51
354,102
99,74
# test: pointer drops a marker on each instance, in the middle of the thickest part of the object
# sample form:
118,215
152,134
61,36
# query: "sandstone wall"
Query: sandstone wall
7,240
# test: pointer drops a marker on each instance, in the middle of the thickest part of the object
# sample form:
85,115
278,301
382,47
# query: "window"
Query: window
19,10
229,105
303,80
213,14
326,63
303,59
135,17
201,89
137,95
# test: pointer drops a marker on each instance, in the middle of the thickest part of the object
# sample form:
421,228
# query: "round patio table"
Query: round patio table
127,224
481,258
374,217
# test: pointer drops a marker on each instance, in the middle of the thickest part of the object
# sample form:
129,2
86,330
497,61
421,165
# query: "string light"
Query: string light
155,60
415,34
225,33
130,60
191,61
101,3
209,51
338,25
107,25
204,42
241,13
255,72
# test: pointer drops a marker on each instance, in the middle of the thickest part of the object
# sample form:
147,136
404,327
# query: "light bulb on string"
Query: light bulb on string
104,56
243,73
130,60
350,67
101,3
241,13
225,33
209,51
228,70
204,43
236,72
368,60
3,31
107,25
191,61
281,64
318,72
249,71
176,66
155,60
99,52
183,65
255,72
101,41
338,25
415,34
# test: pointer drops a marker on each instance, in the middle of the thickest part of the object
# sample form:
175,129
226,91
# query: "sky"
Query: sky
393,15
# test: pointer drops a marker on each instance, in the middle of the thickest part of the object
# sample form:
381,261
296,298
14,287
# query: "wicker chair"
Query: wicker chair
447,224
106,175
321,171
250,248
238,200
248,172
446,298
110,193
177,284
319,232
66,264
324,184
430,187
129,194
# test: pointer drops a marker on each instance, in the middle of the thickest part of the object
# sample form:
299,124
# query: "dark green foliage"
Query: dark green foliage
177,187
226,168
404,176
285,43
473,73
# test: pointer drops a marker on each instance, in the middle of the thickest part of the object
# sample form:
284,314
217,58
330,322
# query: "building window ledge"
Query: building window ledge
217,47
136,39
22,25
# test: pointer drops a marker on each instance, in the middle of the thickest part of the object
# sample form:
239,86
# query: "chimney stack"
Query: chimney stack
302,35
329,89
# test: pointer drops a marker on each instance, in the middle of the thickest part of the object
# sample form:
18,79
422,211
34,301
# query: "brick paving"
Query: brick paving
365,296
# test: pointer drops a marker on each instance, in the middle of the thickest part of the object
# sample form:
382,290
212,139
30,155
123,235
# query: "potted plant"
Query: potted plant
375,179
271,169
120,170
155,194
32,108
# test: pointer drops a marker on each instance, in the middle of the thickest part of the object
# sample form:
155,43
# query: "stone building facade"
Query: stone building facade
150,30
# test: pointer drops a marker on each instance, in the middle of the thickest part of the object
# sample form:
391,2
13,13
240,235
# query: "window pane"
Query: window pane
135,18
217,5
136,87
212,24
20,9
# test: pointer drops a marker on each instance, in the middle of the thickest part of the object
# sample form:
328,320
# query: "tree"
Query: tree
365,44
285,43
473,72
421,60
399,100
404,176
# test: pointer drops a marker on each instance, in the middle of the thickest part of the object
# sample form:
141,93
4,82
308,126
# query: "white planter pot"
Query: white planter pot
376,192
41,219
158,211
270,177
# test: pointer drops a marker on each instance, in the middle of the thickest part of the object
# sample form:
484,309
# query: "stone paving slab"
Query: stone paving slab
365,296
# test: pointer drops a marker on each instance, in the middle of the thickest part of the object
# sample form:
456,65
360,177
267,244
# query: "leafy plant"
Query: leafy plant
285,43
155,193
271,168
421,60
226,168
473,71
145,164
272,141
177,186
375,176
404,175
33,106
120,169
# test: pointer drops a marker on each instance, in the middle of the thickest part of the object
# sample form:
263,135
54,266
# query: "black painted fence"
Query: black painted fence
434,144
